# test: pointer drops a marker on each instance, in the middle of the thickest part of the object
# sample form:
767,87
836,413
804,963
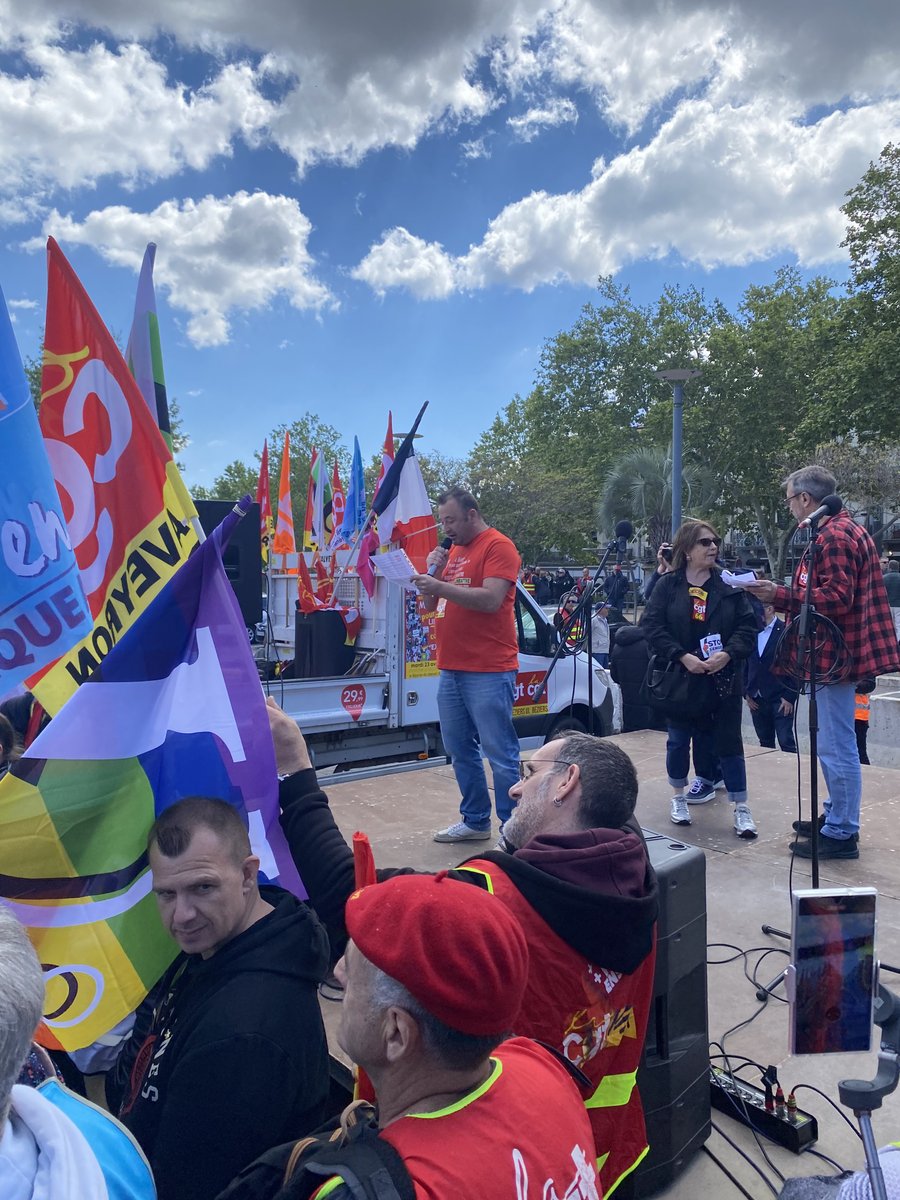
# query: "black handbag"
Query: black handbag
674,691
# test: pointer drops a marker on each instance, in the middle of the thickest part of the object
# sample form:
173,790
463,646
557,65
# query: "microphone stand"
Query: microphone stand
807,651
583,609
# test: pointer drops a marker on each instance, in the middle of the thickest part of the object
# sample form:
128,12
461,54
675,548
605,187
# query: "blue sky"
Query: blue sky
365,206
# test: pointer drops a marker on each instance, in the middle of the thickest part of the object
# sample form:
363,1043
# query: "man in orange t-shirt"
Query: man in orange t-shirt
477,657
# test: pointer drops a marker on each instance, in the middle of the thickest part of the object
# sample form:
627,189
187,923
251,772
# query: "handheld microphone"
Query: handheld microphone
829,507
624,533
434,568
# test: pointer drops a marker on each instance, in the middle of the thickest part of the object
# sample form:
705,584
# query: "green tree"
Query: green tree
754,416
867,382
518,493
235,481
306,432
639,489
33,365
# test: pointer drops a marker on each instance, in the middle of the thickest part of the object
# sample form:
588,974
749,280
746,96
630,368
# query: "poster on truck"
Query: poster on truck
420,637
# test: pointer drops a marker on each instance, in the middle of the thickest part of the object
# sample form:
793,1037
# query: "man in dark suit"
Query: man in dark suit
770,698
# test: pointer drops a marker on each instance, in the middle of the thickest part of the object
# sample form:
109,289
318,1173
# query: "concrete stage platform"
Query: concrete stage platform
747,885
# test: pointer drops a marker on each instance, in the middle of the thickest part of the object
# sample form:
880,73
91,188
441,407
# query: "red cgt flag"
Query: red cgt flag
126,506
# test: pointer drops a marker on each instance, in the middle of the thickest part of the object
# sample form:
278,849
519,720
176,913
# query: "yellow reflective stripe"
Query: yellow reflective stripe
612,1187
489,883
612,1091
466,1100
327,1188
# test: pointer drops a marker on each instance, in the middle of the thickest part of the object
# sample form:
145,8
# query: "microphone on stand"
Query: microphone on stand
434,568
829,507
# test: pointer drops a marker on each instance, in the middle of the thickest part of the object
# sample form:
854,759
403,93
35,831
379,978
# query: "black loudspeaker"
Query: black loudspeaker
320,646
673,1078
242,557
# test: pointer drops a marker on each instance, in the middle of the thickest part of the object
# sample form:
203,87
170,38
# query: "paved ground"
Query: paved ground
747,885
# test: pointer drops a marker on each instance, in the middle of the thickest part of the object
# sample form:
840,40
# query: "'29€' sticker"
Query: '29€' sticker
353,698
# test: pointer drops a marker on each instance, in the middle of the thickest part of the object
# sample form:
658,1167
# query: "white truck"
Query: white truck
376,701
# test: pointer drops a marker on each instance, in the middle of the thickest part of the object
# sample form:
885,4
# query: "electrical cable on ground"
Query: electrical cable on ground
740,1187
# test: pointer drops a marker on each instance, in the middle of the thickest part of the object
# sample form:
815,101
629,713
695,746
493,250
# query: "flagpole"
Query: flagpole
343,571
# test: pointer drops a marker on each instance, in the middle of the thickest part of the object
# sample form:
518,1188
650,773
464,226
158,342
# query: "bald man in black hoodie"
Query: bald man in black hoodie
577,876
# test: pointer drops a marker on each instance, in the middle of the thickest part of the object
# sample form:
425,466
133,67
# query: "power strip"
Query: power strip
747,1104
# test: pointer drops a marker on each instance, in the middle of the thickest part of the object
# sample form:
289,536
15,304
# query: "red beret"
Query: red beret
457,949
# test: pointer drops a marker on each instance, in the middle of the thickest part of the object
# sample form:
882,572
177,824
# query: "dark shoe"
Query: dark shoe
828,848
804,828
700,792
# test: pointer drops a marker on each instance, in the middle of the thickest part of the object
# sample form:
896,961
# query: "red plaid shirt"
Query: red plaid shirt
849,589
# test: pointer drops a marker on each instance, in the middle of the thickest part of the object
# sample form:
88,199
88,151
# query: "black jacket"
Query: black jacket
628,661
672,632
239,1061
611,922
759,680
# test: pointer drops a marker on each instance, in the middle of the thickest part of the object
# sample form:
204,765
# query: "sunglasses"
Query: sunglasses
709,542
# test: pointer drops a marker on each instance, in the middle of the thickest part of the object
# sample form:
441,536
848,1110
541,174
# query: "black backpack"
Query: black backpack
369,1166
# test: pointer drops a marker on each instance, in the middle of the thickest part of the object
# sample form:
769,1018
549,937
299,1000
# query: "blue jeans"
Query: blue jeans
839,757
475,708
769,723
712,735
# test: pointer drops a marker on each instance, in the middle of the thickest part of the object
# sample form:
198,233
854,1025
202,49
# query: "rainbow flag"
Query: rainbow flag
144,350
126,506
174,710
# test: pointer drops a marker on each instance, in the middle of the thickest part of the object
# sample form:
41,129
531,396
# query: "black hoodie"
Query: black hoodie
239,1062
595,889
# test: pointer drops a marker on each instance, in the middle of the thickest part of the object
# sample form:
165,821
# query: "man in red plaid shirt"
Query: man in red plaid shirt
848,588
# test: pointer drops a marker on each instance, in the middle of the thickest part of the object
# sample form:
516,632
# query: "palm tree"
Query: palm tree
639,489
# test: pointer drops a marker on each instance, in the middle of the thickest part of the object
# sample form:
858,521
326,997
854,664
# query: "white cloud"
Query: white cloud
709,103
475,149
80,115
351,79
403,260
216,256
713,187
557,111
29,304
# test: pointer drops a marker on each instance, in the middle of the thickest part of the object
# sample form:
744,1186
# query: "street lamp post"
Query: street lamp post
676,378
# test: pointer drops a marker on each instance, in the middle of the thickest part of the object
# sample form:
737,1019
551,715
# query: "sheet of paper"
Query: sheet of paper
738,579
395,566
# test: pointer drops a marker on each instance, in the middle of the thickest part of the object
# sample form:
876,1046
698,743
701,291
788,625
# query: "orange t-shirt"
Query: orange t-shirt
479,641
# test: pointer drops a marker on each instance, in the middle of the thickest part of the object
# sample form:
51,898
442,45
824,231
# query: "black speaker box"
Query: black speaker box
320,646
242,557
673,1078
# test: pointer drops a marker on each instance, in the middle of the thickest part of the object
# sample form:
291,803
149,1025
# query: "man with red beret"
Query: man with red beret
433,979
578,879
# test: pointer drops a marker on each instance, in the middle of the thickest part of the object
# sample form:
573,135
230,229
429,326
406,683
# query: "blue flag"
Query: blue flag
355,511
43,610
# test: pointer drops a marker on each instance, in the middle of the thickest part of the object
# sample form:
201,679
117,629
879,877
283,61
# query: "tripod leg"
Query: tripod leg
764,993
873,1163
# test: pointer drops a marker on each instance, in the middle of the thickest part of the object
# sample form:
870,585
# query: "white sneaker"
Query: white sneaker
461,832
678,811
744,825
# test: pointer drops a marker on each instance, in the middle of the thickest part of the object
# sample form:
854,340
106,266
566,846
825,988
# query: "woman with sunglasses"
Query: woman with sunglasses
693,618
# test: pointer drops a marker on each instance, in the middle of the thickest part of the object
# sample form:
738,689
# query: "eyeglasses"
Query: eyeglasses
793,496
709,542
527,769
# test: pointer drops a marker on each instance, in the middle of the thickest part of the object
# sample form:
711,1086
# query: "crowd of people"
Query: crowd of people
496,1012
